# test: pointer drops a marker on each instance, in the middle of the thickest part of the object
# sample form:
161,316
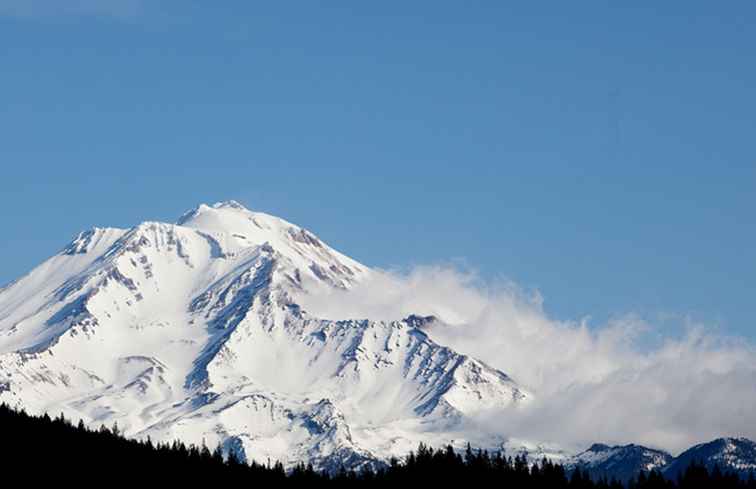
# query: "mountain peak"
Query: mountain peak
729,453
598,447
231,217
233,227
620,461
229,204
225,205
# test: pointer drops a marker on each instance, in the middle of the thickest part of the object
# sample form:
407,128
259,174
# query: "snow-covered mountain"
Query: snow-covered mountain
193,331
729,454
625,462
618,462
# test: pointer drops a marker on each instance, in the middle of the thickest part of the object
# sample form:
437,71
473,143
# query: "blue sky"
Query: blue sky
603,155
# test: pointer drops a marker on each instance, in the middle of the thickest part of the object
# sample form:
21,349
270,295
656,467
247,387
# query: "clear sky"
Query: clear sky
603,155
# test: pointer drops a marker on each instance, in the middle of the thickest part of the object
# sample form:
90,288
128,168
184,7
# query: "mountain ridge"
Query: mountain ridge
625,462
193,331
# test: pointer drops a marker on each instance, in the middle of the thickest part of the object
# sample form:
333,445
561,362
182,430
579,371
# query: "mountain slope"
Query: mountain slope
729,454
618,462
193,330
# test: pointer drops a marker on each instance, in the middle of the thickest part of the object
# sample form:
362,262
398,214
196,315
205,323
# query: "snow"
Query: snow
193,331
730,453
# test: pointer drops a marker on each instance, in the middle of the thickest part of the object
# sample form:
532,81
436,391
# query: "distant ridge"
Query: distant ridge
737,455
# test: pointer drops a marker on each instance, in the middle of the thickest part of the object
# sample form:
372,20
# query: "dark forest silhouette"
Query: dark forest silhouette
36,449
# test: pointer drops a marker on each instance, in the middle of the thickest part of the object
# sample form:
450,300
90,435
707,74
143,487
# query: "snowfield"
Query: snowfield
194,331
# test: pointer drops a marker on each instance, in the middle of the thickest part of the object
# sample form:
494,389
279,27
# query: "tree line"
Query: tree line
36,449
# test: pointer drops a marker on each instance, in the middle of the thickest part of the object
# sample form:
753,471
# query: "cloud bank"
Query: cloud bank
589,383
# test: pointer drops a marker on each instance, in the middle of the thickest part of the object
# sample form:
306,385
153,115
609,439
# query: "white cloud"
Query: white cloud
590,384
